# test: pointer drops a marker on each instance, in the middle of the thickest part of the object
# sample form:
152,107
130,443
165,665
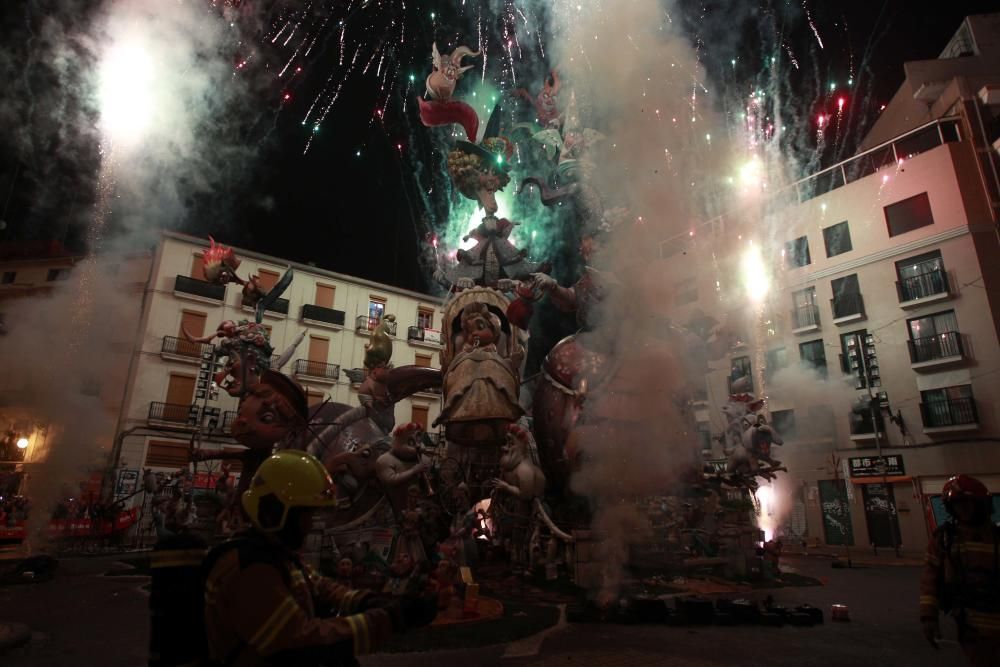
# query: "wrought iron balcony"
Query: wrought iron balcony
847,305
228,417
280,306
321,314
922,285
174,413
422,335
805,316
949,412
317,369
365,324
200,288
183,348
941,346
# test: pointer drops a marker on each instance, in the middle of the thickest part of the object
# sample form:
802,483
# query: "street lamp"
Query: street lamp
22,443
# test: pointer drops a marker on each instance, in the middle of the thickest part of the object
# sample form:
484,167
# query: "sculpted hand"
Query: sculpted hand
465,283
543,281
506,285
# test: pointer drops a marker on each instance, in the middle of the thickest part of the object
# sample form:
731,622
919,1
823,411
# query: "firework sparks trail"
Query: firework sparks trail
812,25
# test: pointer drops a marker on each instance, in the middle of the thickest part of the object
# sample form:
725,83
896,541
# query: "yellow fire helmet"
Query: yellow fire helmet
290,478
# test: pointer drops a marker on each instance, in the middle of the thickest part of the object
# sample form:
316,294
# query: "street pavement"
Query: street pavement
83,618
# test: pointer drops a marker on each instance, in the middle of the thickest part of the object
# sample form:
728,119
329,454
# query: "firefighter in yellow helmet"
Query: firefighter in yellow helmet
264,606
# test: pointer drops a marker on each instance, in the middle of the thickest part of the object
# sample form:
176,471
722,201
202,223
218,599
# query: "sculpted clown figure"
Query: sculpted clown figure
272,412
402,466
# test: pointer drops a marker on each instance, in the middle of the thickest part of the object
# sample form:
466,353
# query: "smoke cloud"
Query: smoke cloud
143,100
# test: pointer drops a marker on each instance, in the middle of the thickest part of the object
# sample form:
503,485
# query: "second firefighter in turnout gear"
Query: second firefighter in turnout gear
961,572
264,606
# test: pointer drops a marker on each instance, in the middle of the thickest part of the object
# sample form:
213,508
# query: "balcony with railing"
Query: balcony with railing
888,154
279,307
365,325
317,370
943,348
186,285
847,308
949,414
180,349
923,288
314,314
805,318
420,335
173,413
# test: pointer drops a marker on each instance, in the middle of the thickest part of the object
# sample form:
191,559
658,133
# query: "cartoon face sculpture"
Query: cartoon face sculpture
271,410
480,326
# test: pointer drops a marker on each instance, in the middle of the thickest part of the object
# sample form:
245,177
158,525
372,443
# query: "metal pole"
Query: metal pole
859,341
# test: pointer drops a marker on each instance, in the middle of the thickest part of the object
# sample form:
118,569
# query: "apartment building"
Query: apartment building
169,393
893,255
153,385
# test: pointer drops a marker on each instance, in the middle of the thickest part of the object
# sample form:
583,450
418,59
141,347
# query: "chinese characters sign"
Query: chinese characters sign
871,466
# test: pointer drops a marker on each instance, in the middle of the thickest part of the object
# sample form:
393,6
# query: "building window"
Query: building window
173,454
425,318
776,360
198,268
783,422
772,327
846,296
267,279
934,337
741,371
418,415
57,274
324,296
909,214
948,406
705,436
422,361
376,310
813,355
8,277
804,311
921,276
797,253
837,239
845,356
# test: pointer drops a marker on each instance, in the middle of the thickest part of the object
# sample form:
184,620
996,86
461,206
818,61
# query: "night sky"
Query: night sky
362,215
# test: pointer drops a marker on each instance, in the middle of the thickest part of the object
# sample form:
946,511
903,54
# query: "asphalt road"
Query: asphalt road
83,618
